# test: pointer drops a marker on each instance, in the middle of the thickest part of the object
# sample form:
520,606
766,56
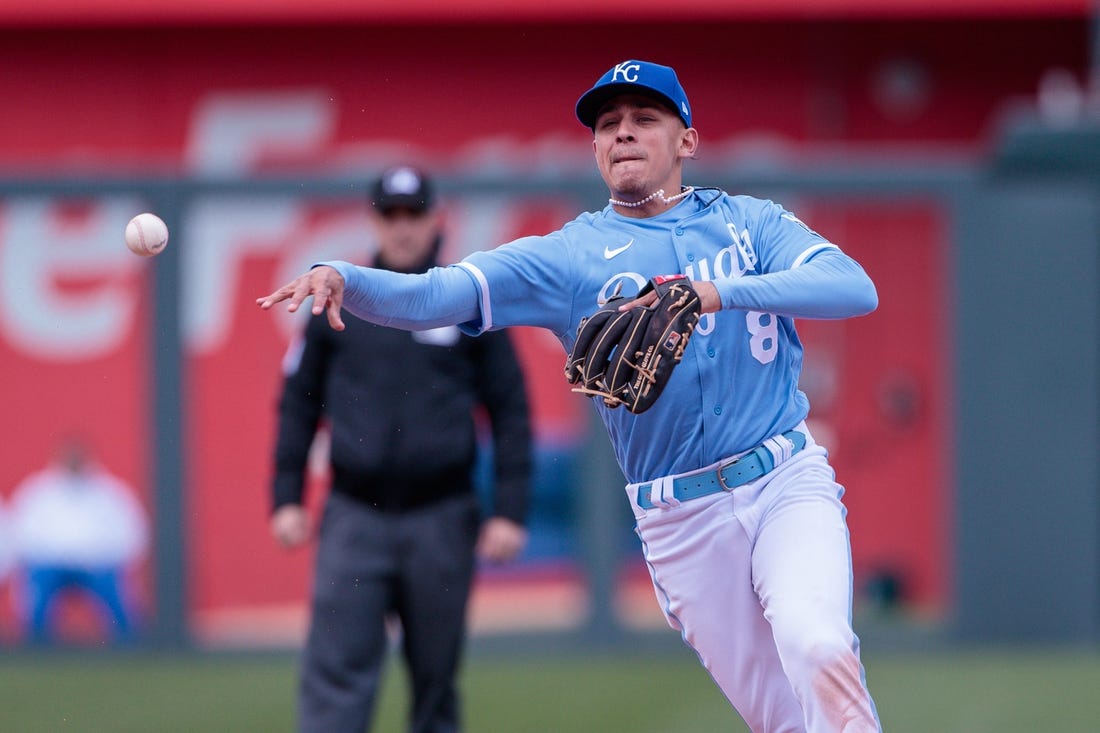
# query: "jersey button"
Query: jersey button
679,231
710,353
691,258
717,409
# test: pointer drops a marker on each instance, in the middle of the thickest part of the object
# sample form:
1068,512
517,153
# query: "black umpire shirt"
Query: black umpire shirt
400,407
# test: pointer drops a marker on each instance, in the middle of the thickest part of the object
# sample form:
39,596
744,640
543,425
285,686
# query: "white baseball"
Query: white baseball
146,235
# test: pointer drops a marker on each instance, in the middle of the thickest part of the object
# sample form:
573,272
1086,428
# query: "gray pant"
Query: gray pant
417,566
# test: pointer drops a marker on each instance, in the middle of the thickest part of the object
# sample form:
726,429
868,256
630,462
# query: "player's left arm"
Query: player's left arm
829,285
797,273
794,272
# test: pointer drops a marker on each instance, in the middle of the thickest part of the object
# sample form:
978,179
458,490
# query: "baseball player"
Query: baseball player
740,518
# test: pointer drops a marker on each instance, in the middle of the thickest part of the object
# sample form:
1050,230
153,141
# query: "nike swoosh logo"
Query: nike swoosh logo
608,253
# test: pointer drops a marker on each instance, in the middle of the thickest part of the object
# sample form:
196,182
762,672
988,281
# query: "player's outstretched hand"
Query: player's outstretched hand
709,300
324,283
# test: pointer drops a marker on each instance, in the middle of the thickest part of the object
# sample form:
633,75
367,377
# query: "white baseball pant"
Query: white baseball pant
758,580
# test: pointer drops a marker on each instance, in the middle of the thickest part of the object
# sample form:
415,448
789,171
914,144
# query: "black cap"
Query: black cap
402,187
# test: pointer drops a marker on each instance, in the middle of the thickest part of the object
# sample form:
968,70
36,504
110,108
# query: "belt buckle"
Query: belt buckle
722,478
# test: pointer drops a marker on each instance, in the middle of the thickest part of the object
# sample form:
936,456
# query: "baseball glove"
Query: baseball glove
627,358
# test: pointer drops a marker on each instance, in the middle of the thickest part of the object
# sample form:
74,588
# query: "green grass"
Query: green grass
971,691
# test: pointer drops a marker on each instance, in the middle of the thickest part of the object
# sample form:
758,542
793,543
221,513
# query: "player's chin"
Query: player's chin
628,184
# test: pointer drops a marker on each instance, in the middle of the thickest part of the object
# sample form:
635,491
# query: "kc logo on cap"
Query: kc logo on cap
627,70
635,77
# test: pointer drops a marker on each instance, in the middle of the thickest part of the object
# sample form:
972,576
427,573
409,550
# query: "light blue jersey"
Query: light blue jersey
767,266
705,413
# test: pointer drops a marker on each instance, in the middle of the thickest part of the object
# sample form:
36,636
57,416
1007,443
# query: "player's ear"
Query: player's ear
689,142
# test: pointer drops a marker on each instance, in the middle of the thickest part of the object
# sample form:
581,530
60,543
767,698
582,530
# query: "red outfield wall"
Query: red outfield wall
464,101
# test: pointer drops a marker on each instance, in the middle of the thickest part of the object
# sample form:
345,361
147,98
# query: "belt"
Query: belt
727,476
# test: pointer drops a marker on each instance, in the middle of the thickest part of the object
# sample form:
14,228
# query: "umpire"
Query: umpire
402,526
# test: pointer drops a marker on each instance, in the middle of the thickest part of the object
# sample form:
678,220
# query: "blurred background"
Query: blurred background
952,147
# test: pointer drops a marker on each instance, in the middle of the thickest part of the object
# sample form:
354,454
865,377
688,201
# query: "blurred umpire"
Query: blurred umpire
402,526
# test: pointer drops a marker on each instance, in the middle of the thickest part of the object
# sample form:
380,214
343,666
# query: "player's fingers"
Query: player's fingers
278,296
316,283
309,285
334,305
294,292
647,299
327,287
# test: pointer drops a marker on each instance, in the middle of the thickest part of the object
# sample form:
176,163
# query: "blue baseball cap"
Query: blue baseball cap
635,77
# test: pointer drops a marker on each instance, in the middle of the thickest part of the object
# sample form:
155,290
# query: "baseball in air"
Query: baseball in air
146,235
